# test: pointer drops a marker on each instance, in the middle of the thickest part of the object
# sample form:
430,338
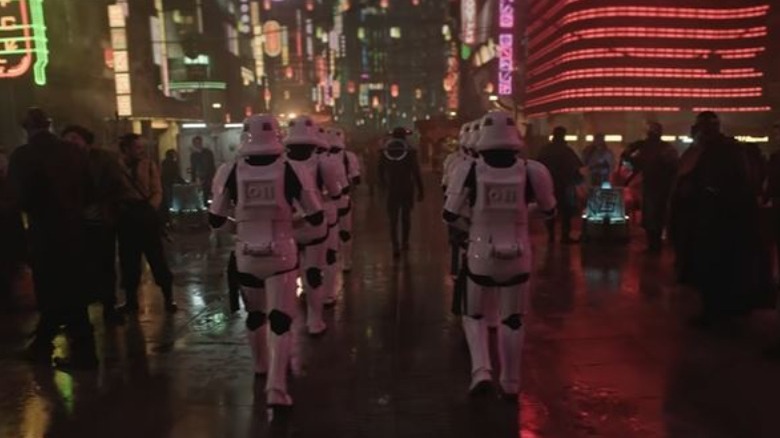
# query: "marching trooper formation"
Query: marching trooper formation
489,194
284,197
287,199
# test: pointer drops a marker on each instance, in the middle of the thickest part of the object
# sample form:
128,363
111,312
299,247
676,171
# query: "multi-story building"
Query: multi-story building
611,65
394,62
298,50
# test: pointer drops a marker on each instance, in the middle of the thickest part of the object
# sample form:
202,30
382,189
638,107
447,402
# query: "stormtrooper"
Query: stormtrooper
267,196
336,202
305,147
338,153
494,200
455,160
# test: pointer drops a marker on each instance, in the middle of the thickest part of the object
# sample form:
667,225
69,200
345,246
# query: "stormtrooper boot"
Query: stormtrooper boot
477,338
511,336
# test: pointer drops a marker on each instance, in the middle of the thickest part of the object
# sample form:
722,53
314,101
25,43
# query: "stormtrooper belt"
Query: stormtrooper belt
486,281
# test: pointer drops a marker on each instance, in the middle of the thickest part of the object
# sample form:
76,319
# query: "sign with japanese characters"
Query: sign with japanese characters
23,43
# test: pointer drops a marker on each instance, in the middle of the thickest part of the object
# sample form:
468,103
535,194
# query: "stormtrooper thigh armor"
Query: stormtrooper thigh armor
313,265
331,270
345,236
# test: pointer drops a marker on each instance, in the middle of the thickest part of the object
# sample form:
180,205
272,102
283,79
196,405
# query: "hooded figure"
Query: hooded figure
715,225
400,178
492,203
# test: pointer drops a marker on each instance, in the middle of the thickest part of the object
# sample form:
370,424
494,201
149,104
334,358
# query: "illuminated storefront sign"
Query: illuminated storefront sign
273,44
506,61
468,14
122,82
23,39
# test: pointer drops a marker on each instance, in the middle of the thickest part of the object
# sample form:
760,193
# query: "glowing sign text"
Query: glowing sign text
506,60
468,13
22,39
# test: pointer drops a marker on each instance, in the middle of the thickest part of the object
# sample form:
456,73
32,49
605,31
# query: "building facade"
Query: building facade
610,65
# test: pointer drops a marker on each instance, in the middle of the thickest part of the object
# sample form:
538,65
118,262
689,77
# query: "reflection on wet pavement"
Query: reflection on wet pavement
607,355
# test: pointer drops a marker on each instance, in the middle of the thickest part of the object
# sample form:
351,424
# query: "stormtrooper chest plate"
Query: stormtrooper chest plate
259,193
500,190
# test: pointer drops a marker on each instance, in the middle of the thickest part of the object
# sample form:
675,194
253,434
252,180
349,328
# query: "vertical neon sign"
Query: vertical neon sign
116,21
22,38
468,16
506,59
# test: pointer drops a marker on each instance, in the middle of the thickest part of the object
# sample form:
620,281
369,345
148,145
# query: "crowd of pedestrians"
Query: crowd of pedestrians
80,203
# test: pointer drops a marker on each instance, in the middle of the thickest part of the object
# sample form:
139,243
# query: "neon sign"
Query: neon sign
22,39
468,14
506,60
122,82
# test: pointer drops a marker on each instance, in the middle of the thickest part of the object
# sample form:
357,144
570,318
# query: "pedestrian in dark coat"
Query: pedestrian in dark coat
714,226
656,161
399,177
105,192
566,170
51,180
12,249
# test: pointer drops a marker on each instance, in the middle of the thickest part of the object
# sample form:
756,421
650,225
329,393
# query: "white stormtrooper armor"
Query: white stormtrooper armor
334,167
305,150
267,193
499,251
456,156
338,153
454,195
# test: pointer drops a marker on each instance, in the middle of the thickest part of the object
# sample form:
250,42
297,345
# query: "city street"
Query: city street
608,354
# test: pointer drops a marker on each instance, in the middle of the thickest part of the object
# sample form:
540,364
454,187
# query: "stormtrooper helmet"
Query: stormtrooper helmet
324,140
473,136
303,131
261,136
465,130
498,130
336,138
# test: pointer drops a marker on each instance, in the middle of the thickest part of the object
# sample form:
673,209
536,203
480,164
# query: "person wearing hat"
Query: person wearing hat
493,200
50,178
267,195
400,178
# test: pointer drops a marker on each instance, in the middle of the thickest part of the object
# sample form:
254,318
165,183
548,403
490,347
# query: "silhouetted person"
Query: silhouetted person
202,167
140,231
656,160
773,195
714,226
170,174
51,178
773,187
599,159
105,192
564,166
11,234
399,176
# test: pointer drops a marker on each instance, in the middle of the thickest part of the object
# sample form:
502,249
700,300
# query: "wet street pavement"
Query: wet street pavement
608,354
